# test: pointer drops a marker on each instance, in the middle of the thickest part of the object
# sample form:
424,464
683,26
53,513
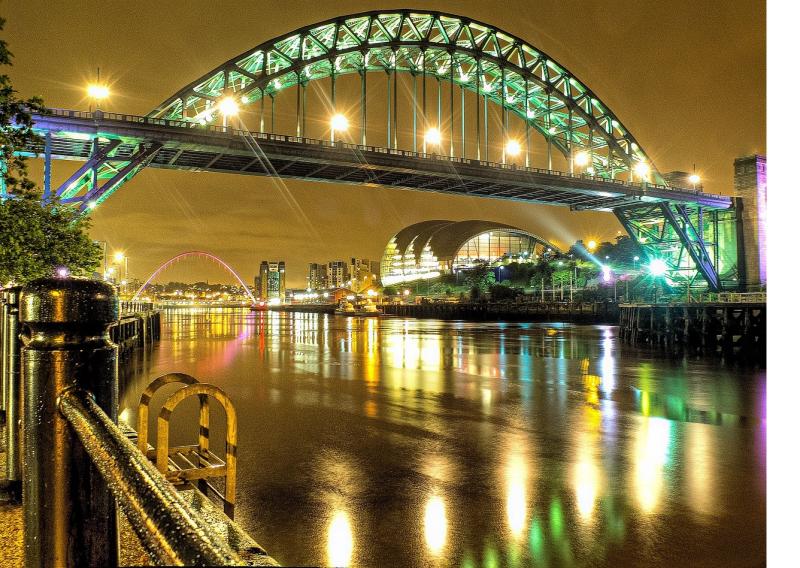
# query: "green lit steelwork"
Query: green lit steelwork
699,246
497,65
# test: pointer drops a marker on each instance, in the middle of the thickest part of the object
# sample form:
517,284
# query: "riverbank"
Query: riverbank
578,312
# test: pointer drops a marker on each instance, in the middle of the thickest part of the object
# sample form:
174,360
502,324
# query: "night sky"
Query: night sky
688,79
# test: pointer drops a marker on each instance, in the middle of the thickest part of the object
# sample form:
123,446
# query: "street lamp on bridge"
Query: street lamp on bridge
512,149
228,107
97,92
339,123
432,137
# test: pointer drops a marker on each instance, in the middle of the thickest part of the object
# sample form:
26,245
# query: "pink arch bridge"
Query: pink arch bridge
198,254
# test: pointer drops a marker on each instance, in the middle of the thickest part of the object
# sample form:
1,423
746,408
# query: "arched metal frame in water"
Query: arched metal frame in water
478,57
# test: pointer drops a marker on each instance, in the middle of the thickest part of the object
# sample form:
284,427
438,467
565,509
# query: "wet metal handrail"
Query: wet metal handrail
163,521
76,459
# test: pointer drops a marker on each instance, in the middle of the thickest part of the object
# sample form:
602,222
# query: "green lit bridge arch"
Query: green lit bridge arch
605,169
495,65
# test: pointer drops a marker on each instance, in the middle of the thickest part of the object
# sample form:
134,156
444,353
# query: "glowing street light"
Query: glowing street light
433,137
658,267
229,107
513,148
119,256
97,92
642,170
339,123
591,245
582,159
694,179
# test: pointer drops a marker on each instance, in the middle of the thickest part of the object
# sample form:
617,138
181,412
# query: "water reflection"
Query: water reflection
652,452
340,540
435,524
414,442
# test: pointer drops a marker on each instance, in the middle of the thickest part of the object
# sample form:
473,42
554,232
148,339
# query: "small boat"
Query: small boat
259,307
362,308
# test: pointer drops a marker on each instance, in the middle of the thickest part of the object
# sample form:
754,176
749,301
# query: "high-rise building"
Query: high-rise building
271,280
338,275
363,273
750,185
317,276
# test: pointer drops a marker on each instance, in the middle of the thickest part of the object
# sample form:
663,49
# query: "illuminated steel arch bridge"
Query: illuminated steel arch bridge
195,254
483,113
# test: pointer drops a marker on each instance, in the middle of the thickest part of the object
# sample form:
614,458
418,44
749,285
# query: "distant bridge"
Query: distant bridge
197,254
219,123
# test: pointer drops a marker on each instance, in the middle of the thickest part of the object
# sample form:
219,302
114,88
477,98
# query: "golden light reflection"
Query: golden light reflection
340,540
586,487
652,447
516,498
699,471
435,524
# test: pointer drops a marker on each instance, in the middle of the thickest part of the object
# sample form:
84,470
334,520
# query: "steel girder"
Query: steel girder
105,171
690,240
475,56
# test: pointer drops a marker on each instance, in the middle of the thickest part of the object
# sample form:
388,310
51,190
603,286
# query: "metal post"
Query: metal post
478,108
503,115
261,114
69,513
394,124
463,131
272,103
527,129
388,108
364,106
486,125
12,397
48,152
549,123
414,111
452,110
297,130
569,143
424,108
303,123
438,104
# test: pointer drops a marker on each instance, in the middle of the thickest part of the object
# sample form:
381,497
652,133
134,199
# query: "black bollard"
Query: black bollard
69,513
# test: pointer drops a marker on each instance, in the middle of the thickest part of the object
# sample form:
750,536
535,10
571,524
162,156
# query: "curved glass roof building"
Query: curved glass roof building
432,248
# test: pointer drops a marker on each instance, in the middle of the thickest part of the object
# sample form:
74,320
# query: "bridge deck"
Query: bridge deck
190,146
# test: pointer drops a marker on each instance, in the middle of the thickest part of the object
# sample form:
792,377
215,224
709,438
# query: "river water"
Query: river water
401,442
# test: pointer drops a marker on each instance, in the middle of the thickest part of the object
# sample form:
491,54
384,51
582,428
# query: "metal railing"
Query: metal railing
131,307
77,460
185,124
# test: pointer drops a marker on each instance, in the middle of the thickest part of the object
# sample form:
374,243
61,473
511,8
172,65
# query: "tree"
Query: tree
479,276
16,129
36,237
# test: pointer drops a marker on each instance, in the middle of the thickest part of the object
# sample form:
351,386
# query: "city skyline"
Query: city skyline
299,221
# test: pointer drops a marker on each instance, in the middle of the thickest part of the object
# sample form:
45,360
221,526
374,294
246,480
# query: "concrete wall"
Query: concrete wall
750,184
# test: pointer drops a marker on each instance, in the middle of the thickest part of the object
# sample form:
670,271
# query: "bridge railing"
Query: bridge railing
184,124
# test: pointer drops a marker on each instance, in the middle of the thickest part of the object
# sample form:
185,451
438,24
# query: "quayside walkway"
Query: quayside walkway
76,488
